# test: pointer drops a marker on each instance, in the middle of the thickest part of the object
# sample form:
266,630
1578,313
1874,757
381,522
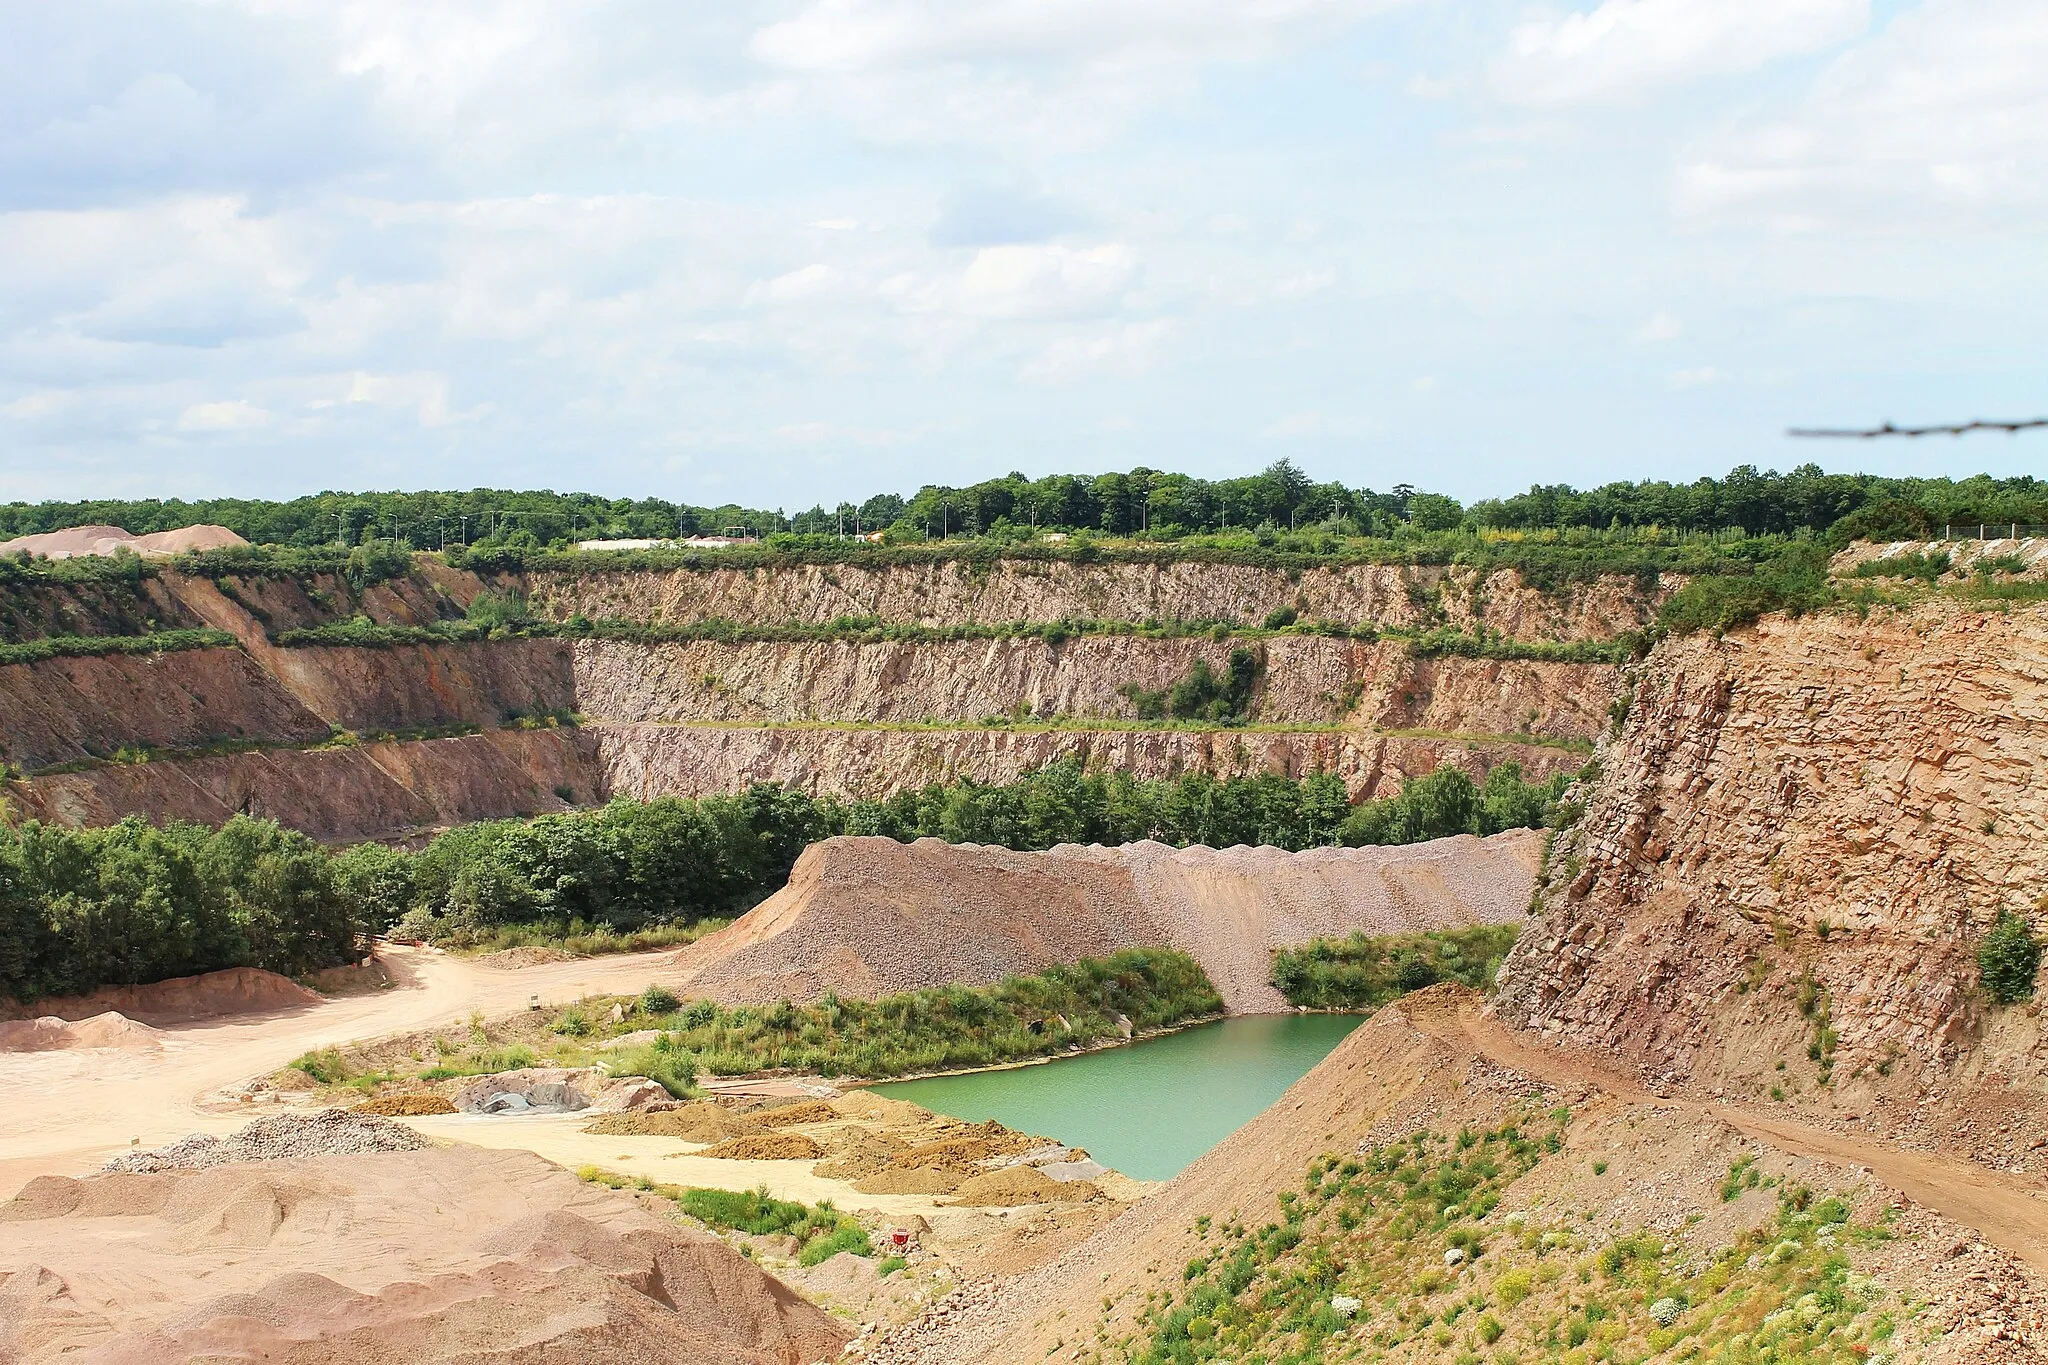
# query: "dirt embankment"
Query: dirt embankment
180,1000
1024,590
1660,1171
450,1254
1305,680
1793,852
678,760
868,916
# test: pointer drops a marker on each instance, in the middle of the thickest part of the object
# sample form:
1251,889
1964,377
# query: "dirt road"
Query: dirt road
63,1113
2008,1211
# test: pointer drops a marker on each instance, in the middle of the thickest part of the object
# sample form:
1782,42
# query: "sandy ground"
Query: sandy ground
443,1254
561,1139
68,1111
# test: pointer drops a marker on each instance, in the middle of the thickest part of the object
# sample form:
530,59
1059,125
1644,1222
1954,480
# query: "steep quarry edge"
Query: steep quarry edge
867,916
1786,867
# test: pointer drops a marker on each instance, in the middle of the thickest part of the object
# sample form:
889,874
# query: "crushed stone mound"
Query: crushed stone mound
1014,1185
450,1254
327,1132
867,916
791,1115
543,1089
767,1147
537,955
104,540
699,1121
413,1104
48,1034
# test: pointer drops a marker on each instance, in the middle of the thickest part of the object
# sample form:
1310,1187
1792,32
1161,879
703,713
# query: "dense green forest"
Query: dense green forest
1142,502
134,903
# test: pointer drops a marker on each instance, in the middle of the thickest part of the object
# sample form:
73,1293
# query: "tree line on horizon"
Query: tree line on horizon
1142,502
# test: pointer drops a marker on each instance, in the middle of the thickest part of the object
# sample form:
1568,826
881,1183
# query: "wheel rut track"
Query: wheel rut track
2009,1212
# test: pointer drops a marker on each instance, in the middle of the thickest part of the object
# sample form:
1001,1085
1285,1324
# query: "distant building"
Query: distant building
688,543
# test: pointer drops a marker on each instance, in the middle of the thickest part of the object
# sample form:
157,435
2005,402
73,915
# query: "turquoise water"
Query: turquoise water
1150,1109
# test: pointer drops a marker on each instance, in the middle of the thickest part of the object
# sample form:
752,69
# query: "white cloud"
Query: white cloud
1626,47
425,395
234,415
1125,350
1694,378
1662,326
1036,280
862,35
1942,117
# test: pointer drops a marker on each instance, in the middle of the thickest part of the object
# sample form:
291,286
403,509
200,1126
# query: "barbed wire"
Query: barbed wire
1954,429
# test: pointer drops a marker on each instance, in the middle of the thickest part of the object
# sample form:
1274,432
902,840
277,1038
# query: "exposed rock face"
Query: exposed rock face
1808,825
370,791
662,718
685,760
62,710
1306,680
1020,590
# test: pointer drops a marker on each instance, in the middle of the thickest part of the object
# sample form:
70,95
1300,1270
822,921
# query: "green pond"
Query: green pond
1150,1109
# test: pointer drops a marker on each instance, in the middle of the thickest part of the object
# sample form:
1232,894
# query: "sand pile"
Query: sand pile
50,1034
326,1132
858,1152
869,916
1014,1185
104,540
182,999
459,1253
412,1104
767,1147
790,1115
695,1122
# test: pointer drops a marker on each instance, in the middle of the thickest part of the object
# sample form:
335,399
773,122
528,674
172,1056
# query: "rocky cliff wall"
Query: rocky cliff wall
1792,853
65,710
1306,680
1027,590
692,760
339,795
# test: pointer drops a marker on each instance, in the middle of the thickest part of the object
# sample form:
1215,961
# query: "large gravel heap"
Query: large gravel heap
328,1132
869,916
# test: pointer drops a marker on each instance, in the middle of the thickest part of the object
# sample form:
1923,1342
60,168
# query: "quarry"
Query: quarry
1739,1090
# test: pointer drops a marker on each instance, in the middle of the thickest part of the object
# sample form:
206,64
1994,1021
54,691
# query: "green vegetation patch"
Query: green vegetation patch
820,1230
1363,973
134,902
1407,1237
90,646
948,1028
2008,957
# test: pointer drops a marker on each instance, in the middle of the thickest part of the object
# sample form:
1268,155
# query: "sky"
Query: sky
788,251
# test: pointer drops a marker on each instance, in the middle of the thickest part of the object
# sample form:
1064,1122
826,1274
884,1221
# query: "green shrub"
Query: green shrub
671,1067
2008,958
658,1000
1363,972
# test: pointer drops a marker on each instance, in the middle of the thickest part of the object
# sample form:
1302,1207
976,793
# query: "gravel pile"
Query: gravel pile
870,916
329,1132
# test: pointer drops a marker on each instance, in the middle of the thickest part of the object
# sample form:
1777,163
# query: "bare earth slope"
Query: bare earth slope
457,1254
869,916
